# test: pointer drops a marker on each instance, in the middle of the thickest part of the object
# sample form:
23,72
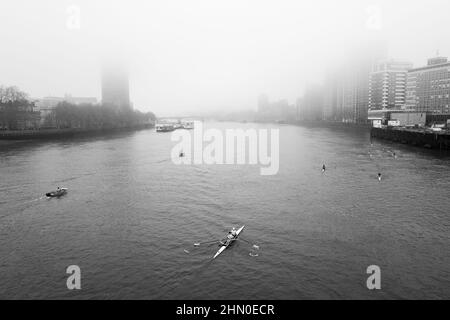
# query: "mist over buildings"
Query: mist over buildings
187,57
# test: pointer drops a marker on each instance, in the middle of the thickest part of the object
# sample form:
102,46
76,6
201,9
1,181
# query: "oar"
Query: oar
206,242
254,245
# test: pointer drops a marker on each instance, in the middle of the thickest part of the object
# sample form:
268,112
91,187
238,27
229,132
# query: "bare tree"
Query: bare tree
12,94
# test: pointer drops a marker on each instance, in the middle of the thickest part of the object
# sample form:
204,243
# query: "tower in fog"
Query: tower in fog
115,88
263,103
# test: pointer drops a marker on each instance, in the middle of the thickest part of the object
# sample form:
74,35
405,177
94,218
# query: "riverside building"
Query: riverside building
387,85
428,88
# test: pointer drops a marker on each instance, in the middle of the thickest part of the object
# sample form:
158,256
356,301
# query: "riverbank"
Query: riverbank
331,124
415,137
64,133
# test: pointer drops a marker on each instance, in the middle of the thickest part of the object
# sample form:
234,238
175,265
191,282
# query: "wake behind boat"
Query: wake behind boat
228,241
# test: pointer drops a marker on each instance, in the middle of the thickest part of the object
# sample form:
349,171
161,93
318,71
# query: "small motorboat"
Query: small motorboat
57,193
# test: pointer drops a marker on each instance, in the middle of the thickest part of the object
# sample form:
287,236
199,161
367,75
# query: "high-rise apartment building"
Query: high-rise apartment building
346,90
428,88
387,85
263,103
310,107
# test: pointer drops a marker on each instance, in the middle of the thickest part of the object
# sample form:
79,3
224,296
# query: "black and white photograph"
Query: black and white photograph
208,151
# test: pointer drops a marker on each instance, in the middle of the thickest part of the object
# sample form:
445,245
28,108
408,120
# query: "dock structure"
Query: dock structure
420,137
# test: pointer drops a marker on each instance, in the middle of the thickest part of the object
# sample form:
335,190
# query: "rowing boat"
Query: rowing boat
228,242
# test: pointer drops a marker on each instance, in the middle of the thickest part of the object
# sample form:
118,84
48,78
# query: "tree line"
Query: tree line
88,116
15,105
11,95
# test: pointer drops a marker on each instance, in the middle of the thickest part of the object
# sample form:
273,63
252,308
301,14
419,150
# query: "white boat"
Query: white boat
189,125
164,127
228,242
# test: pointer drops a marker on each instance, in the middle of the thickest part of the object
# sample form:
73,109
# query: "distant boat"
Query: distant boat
188,125
164,127
178,126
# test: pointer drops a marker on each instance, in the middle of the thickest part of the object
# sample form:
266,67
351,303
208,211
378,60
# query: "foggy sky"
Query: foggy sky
190,55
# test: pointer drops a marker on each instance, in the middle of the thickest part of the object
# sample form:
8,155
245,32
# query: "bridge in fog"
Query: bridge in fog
178,119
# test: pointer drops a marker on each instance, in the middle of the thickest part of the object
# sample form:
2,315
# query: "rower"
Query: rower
379,176
323,168
233,232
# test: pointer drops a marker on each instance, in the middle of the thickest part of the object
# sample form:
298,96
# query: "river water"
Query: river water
131,218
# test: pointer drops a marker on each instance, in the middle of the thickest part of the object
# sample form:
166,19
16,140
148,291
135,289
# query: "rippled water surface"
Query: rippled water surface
131,217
